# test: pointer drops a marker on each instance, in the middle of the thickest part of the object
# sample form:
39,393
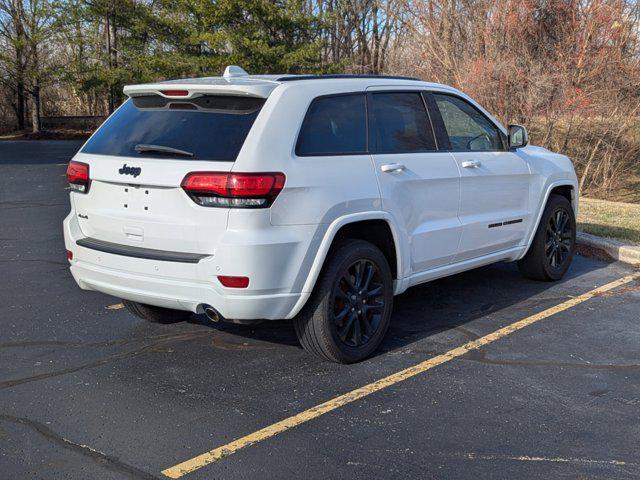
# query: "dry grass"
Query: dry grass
629,190
610,219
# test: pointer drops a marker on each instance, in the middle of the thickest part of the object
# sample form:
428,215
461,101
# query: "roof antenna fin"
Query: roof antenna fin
234,71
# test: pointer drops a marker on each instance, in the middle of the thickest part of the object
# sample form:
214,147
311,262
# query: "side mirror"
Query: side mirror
518,136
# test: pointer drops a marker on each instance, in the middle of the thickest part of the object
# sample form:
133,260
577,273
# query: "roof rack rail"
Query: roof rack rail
295,78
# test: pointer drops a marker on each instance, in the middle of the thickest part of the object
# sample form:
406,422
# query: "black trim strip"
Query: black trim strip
503,224
139,252
511,222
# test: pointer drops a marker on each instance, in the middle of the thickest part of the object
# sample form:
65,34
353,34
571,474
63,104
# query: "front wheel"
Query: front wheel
554,243
349,311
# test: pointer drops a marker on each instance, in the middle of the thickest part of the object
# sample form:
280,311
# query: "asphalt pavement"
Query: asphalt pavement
88,391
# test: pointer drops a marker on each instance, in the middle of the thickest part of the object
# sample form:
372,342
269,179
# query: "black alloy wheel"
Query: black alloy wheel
349,311
358,303
554,243
559,238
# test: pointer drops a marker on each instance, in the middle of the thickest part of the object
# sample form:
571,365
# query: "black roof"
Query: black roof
295,78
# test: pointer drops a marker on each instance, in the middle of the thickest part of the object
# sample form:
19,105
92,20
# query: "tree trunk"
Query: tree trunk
35,109
20,64
375,40
112,102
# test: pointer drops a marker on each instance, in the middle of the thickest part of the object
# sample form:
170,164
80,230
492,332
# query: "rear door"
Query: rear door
138,159
494,185
420,186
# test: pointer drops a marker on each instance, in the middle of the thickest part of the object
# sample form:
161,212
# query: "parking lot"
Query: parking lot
88,391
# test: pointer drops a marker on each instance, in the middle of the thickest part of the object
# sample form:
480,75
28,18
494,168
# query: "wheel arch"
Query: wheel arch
565,188
356,225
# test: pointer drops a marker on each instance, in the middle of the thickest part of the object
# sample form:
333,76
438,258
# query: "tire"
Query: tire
538,263
323,328
156,314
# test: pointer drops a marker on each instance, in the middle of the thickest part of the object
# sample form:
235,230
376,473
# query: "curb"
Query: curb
617,250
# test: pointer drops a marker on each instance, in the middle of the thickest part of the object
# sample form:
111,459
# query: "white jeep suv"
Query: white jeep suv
312,198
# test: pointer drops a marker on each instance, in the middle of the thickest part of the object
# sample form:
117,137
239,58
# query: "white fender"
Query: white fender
325,245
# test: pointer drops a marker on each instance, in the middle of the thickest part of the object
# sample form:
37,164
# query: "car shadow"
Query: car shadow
438,306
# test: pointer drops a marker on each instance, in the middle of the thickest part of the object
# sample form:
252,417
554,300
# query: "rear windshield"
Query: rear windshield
204,128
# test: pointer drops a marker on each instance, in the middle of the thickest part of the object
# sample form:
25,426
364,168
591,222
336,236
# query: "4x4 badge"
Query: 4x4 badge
125,170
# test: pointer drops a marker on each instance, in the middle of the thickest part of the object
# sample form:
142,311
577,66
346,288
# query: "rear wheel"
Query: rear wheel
156,314
553,245
349,311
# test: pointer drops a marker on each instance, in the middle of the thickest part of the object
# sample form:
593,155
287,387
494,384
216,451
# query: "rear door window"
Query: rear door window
334,125
400,124
208,127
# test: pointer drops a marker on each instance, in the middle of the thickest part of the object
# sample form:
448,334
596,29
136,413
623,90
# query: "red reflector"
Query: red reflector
234,282
175,93
77,172
69,255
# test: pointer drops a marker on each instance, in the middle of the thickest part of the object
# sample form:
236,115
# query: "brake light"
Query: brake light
175,93
234,282
78,176
239,190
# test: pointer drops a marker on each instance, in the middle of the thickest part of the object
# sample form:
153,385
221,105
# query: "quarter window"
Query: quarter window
400,124
334,125
467,128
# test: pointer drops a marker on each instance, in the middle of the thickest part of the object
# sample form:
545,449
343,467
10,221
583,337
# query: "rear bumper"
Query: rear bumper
180,295
274,269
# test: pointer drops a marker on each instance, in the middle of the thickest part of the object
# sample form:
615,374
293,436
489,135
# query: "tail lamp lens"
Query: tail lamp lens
69,255
236,190
78,176
234,282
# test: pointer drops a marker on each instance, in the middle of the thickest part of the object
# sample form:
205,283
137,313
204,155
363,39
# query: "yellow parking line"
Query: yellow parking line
216,454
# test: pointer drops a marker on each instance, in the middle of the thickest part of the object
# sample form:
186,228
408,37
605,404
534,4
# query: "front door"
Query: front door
494,184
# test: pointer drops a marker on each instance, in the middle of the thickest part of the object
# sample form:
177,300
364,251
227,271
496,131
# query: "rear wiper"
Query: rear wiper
144,148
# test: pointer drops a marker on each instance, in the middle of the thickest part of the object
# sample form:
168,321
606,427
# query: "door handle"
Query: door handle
392,167
471,164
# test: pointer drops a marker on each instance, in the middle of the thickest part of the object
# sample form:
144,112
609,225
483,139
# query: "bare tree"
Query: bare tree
569,69
26,27
13,56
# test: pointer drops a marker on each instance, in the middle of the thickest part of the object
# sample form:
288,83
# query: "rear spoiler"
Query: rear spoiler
244,88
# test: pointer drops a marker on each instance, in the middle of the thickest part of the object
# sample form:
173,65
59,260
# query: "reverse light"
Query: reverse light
78,176
233,190
233,282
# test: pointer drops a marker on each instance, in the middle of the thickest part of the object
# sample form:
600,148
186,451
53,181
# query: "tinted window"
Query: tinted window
210,127
334,125
400,124
467,128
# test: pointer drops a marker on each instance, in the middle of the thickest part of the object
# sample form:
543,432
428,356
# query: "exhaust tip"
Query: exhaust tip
212,314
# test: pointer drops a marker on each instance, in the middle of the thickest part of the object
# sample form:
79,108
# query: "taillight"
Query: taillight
69,255
239,190
234,282
78,176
